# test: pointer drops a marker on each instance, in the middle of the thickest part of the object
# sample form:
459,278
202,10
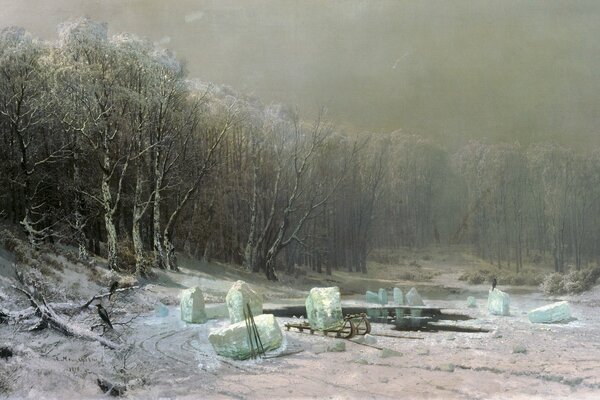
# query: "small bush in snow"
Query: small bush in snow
572,282
554,284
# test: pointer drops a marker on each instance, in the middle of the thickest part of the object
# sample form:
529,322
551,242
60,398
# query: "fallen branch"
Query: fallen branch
397,336
49,317
102,295
365,344
284,354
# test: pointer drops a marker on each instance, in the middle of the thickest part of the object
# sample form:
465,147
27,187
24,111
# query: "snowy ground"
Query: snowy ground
168,358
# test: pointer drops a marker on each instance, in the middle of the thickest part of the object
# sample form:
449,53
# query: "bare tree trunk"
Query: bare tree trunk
170,259
110,206
256,253
109,224
136,236
138,247
159,253
82,253
249,251
274,250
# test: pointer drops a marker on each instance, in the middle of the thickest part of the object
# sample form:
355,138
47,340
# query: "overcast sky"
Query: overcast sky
452,70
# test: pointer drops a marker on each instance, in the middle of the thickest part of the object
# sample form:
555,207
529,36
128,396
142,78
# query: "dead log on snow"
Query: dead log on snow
48,317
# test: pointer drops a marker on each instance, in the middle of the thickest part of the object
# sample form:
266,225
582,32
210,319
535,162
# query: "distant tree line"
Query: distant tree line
106,145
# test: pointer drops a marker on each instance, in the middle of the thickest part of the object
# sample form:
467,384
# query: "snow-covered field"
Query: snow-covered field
167,358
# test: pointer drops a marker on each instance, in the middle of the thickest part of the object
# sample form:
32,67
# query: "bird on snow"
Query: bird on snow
494,283
112,289
104,315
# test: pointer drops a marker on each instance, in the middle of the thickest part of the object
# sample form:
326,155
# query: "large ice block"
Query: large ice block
413,298
399,300
383,299
372,297
324,308
555,312
192,306
233,342
238,296
398,296
498,302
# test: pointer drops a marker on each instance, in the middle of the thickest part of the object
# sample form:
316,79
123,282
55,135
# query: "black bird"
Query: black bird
112,289
104,315
494,283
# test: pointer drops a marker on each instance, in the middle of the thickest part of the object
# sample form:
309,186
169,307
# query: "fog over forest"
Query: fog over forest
509,70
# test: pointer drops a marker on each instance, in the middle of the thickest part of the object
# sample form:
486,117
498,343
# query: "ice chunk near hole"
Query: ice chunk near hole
413,298
398,296
551,313
324,308
160,310
232,341
192,306
379,298
387,353
471,302
383,299
337,346
372,297
498,302
365,339
238,296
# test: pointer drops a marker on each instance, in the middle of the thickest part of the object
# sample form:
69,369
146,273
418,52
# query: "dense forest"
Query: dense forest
108,146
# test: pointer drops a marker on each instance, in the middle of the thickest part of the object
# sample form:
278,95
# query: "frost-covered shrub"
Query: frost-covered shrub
6,379
582,280
476,277
505,277
16,246
573,282
554,284
417,276
525,277
128,280
407,276
592,275
99,275
9,241
70,256
52,262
